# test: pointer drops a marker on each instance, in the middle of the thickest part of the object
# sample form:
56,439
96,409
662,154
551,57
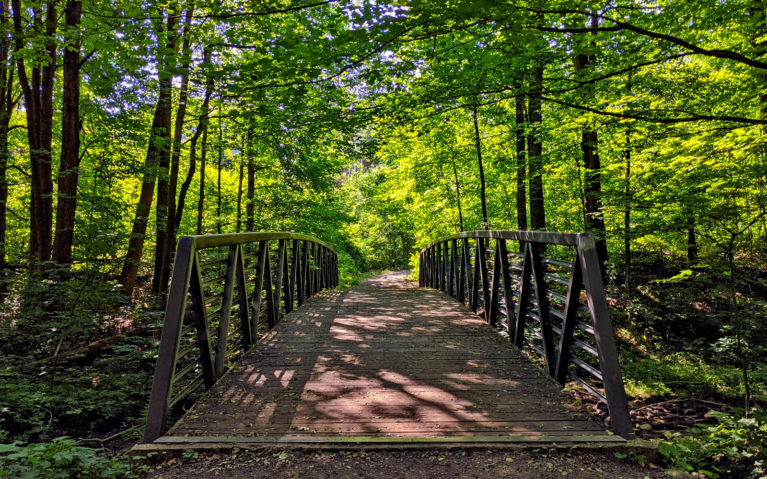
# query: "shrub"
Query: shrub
61,458
735,447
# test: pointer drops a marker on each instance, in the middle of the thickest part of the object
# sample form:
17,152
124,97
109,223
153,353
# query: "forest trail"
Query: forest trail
384,362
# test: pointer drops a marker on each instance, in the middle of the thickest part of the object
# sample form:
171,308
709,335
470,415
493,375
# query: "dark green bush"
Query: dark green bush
735,447
61,458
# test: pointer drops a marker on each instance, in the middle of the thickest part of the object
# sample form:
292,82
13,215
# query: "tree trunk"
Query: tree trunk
594,216
201,200
239,199
458,196
250,222
7,106
37,90
220,165
692,243
70,138
627,212
519,132
482,195
535,150
158,155
166,237
201,126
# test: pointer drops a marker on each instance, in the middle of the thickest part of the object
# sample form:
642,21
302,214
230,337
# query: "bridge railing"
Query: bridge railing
227,290
553,305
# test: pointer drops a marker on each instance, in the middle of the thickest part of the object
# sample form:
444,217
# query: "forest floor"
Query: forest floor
537,462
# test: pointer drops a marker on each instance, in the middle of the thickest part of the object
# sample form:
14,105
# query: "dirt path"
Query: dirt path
540,463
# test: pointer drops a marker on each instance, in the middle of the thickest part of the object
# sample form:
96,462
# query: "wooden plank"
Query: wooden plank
542,298
214,241
482,439
494,293
570,320
278,279
474,299
246,324
451,268
291,290
507,293
226,309
603,332
538,237
261,267
524,298
482,257
201,323
157,412
461,278
271,309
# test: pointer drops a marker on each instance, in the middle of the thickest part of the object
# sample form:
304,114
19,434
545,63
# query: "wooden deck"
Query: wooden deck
384,362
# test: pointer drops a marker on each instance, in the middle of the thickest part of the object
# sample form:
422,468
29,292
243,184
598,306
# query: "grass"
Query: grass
683,374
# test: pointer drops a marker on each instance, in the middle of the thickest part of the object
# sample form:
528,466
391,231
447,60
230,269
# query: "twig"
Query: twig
107,439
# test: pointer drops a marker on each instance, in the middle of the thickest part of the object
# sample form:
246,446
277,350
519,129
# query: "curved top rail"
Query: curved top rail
569,239
213,241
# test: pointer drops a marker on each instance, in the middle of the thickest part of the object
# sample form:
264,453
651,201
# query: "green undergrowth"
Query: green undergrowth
736,446
683,374
678,332
61,458
96,399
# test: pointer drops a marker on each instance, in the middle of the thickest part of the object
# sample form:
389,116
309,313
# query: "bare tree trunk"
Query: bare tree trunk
70,138
482,195
166,236
519,131
535,150
38,100
158,154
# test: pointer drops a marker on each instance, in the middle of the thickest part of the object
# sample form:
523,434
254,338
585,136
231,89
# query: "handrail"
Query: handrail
212,296
467,267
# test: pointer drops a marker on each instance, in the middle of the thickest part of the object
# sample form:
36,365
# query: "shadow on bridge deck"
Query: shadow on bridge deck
384,362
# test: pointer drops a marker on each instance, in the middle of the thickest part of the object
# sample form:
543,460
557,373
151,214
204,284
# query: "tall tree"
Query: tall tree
535,148
202,125
70,136
519,133
482,190
7,105
37,88
250,206
158,150
166,209
201,198
593,215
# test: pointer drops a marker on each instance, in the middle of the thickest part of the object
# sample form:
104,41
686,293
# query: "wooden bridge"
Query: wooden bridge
386,361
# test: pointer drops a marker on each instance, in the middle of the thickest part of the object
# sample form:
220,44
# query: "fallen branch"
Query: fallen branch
109,438
85,354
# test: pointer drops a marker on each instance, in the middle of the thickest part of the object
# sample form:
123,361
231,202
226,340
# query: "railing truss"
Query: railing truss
225,292
537,301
